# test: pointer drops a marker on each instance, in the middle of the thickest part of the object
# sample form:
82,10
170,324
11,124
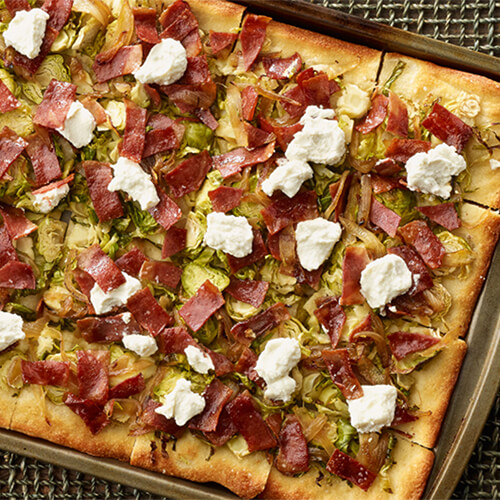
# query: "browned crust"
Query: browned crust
192,459
408,477
356,63
8,402
64,427
423,82
480,228
431,392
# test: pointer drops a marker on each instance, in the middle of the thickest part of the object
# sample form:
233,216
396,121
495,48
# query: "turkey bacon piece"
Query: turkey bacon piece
418,234
198,309
252,36
293,455
339,366
45,372
148,313
404,343
11,147
350,469
444,214
448,127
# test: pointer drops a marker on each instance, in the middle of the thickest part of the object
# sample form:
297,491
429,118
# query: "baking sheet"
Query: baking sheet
480,375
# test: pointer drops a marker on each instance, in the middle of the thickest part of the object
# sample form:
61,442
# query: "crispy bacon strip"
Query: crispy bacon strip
174,340
174,242
145,24
444,214
236,160
284,210
164,134
167,212
397,117
89,411
332,318
249,291
225,198
45,372
220,41
283,68
259,251
43,159
339,366
93,375
404,343
350,469
252,36
189,175
14,6
257,137
128,387
375,116
149,421
101,267
448,127
7,100
382,184
248,330
126,60
7,251
17,224
17,275
383,217
293,455
134,136
403,149
422,279
107,204
224,431
250,424
216,396
196,311
148,313
426,243
11,147
107,329
131,262
55,105
249,99
165,273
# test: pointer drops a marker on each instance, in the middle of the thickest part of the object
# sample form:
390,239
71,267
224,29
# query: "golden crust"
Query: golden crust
62,426
407,477
356,63
475,99
480,228
193,459
431,392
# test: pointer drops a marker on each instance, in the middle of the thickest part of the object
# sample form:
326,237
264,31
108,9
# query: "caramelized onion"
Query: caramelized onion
96,8
373,244
365,199
372,450
338,195
363,166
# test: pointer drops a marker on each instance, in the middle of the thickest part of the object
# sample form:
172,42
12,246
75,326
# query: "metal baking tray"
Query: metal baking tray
479,378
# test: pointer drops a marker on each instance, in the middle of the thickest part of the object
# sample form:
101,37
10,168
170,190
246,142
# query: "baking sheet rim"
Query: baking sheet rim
445,475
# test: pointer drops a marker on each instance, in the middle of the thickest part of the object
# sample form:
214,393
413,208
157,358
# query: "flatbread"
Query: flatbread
190,458
474,99
432,387
412,464
37,416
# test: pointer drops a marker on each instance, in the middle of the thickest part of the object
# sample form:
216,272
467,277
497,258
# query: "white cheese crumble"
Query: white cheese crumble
165,64
354,102
229,233
375,409
127,318
142,345
128,176
274,364
79,125
198,360
26,32
384,279
11,329
320,141
45,202
182,404
287,177
431,172
104,302
494,164
315,241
